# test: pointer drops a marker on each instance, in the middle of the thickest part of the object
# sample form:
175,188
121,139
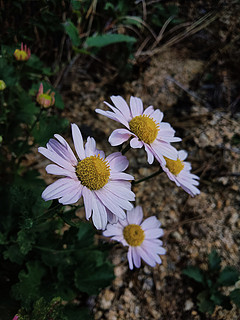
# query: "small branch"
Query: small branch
148,177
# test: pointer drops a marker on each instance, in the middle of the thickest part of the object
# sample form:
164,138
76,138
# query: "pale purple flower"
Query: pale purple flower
140,237
16,317
145,128
179,172
105,188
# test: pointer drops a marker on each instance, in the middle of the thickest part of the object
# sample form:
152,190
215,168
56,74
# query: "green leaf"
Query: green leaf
8,73
137,21
27,109
25,239
107,39
228,276
28,288
13,254
93,273
76,313
205,304
218,298
47,127
72,32
235,297
76,4
214,261
194,273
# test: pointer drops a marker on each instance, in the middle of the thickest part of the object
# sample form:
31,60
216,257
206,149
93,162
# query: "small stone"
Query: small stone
188,305
107,299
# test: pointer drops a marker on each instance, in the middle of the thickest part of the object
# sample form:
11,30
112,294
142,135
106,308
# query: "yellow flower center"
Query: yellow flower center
145,128
20,55
134,235
93,172
174,166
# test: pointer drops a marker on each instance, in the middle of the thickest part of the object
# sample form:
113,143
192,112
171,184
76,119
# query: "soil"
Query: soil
204,114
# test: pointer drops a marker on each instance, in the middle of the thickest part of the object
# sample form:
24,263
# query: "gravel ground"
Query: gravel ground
193,226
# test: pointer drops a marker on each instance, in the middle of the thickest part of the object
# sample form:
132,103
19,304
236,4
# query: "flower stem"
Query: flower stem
125,150
148,177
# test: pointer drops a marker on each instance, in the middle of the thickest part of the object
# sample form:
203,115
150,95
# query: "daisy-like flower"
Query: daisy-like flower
105,188
179,172
45,100
140,237
22,55
145,127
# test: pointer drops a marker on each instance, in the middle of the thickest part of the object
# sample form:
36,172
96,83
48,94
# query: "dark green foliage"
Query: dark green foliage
40,258
43,310
210,283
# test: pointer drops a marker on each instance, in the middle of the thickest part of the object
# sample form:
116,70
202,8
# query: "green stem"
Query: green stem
125,150
35,122
148,177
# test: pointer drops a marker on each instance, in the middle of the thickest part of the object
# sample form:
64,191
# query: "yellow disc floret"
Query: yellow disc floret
93,172
145,128
174,166
134,235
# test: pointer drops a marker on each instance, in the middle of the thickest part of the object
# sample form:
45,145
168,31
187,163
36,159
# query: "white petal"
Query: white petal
73,195
90,147
99,215
182,155
122,105
157,115
164,149
129,256
149,111
135,143
136,258
135,215
78,141
153,233
64,142
119,164
58,188
109,203
113,230
119,191
119,116
144,255
120,176
150,156
151,222
51,155
87,197
59,171
136,106
119,136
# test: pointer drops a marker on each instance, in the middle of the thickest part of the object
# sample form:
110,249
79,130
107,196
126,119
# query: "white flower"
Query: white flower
179,172
105,188
144,127
140,237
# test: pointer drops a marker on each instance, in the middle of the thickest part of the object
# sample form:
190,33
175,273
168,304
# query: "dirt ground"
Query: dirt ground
193,226
205,115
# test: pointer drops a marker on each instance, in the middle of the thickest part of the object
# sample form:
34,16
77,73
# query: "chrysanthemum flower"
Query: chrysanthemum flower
46,100
22,55
2,85
179,172
140,237
145,127
105,188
